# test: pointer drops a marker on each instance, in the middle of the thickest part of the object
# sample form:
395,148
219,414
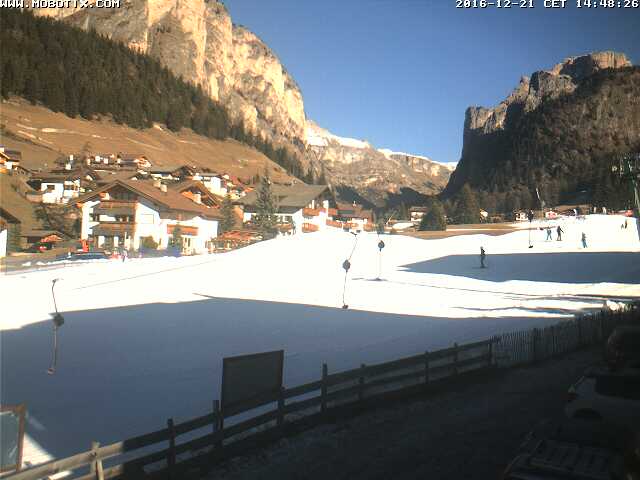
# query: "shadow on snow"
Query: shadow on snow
565,267
123,371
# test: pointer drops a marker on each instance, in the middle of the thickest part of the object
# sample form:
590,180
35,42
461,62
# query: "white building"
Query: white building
126,213
56,188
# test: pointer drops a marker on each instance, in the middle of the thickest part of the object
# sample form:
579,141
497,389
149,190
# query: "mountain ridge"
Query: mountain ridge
555,130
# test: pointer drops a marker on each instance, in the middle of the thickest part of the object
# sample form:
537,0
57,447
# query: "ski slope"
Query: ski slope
144,339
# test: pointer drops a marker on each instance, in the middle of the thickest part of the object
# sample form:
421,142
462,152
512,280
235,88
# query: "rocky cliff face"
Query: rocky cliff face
197,40
543,85
373,174
488,132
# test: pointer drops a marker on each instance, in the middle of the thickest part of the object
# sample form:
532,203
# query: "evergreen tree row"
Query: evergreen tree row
82,73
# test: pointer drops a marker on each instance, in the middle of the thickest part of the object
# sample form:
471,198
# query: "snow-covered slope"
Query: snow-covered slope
372,173
319,137
144,340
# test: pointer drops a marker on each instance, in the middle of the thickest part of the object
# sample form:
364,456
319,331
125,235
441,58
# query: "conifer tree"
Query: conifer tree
468,210
265,218
434,219
228,218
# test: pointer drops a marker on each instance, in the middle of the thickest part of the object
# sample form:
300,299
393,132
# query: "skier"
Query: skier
625,223
559,231
549,234
584,240
483,255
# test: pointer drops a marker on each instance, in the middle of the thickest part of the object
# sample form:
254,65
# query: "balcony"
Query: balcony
115,207
110,229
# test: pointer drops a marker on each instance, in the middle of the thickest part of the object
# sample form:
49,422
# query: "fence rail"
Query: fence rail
350,387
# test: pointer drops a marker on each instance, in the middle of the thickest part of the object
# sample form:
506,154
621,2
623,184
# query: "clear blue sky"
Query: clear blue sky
400,73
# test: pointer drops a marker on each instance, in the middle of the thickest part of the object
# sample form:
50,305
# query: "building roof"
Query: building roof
131,156
169,169
354,210
13,155
13,190
185,185
169,200
298,195
105,178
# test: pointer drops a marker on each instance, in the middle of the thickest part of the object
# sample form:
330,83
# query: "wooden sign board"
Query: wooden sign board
249,381
11,437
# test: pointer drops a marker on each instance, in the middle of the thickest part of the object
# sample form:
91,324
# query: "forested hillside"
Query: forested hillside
565,147
83,74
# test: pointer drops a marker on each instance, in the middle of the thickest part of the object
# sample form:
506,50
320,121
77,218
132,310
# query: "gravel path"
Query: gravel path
471,431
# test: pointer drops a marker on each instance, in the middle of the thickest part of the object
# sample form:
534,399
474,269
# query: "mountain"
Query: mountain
196,39
373,174
558,130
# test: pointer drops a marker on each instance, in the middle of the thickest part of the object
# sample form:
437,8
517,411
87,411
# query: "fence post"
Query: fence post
280,418
361,383
491,340
217,425
534,338
171,454
96,466
579,322
601,326
426,367
455,359
323,389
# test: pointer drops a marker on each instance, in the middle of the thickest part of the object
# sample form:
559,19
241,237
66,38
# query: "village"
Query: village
119,204
114,203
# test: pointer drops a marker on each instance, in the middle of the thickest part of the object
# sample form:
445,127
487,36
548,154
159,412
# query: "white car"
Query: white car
601,394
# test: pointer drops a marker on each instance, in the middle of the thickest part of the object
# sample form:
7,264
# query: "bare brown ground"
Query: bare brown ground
472,229
43,136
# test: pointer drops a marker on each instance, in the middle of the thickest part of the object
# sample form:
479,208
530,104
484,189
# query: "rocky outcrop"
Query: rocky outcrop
374,174
543,85
551,127
197,40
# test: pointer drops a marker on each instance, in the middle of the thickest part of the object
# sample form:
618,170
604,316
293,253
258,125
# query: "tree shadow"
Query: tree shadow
565,267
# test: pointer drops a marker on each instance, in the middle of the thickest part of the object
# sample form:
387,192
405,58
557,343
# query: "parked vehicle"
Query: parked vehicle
623,347
602,394
571,449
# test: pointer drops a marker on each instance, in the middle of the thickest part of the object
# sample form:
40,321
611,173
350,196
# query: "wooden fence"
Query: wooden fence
304,402
172,455
529,346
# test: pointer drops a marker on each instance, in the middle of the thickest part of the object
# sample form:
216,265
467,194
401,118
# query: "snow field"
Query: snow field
144,339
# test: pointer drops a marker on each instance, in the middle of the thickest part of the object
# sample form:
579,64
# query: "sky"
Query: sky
401,73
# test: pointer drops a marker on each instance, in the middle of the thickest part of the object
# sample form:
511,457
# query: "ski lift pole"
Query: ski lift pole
346,265
58,321
380,247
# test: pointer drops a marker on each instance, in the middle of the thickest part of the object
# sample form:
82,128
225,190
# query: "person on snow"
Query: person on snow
549,234
483,256
559,231
584,240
